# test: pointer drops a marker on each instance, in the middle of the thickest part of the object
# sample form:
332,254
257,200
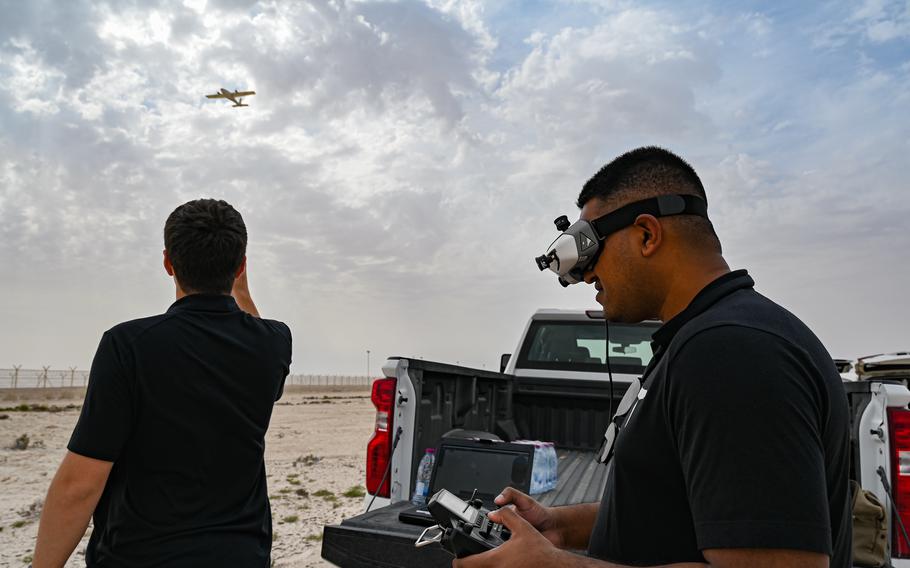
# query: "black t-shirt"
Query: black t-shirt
181,402
741,440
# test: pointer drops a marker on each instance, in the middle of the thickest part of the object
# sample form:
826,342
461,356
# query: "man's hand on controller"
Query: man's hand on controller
540,517
526,542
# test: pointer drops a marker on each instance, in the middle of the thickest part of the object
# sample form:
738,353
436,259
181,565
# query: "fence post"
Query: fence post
43,377
16,375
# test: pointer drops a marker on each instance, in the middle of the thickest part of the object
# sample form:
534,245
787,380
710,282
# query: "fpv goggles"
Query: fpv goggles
575,251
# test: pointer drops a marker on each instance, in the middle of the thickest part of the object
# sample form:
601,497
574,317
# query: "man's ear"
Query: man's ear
241,268
650,232
168,267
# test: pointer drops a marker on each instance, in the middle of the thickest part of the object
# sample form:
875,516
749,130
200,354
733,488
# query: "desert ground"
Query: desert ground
314,458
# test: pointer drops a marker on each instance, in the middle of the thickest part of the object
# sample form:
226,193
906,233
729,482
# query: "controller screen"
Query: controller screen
457,507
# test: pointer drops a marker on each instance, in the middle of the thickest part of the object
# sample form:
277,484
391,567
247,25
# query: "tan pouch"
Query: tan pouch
870,529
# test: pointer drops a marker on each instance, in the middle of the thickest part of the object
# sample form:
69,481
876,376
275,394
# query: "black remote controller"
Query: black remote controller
465,527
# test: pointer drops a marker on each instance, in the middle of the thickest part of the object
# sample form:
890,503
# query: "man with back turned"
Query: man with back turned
734,450
167,456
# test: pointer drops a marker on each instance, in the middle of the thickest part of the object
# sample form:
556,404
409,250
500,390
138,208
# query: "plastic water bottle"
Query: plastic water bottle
424,471
553,466
544,467
548,467
545,471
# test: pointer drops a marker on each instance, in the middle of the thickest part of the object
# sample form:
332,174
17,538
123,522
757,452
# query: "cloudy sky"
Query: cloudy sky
402,162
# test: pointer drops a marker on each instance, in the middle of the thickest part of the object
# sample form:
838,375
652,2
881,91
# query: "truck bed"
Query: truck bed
581,480
378,538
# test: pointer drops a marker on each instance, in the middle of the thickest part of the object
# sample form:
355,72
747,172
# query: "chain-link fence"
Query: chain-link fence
46,377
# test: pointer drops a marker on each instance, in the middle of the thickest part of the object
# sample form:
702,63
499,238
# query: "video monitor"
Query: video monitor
462,469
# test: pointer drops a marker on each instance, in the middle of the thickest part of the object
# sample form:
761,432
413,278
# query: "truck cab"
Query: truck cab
571,344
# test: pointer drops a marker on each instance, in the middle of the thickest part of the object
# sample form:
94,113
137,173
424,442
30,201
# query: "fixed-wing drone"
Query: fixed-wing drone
235,97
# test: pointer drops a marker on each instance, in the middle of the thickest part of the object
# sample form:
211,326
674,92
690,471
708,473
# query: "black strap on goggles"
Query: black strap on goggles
660,206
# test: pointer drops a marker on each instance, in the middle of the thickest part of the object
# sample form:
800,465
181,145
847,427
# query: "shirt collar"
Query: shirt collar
707,297
204,303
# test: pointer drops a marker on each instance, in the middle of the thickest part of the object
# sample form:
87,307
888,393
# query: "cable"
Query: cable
897,515
609,367
388,468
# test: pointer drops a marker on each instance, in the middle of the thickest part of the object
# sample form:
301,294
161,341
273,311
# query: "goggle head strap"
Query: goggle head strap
660,206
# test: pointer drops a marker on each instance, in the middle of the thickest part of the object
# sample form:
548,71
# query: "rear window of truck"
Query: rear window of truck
582,346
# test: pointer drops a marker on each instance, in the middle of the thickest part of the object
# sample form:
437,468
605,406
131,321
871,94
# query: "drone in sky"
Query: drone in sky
236,97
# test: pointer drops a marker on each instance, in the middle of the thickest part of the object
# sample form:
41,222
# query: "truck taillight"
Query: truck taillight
379,448
899,425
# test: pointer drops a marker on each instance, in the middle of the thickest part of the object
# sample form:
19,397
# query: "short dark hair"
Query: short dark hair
647,172
205,240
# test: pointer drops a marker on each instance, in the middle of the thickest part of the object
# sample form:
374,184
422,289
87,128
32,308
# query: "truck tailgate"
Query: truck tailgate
378,538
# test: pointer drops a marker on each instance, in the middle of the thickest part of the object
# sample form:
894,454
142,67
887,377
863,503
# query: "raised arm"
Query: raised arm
241,292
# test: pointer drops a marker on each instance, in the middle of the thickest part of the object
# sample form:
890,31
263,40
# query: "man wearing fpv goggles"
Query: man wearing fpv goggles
732,448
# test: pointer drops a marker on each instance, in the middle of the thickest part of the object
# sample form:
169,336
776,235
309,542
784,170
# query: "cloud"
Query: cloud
582,90
401,162
884,21
328,57
869,24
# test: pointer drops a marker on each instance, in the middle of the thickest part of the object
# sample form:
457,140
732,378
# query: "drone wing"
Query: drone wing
233,97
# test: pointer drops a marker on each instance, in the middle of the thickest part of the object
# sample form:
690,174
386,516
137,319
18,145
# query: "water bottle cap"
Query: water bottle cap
431,450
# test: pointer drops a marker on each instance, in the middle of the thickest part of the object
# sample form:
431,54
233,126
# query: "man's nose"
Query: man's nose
590,277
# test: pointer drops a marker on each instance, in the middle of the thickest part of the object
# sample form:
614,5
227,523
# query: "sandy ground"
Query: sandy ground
314,455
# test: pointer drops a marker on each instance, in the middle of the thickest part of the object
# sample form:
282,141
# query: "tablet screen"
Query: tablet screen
489,471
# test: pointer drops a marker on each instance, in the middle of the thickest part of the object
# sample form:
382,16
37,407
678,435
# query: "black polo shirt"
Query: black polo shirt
181,402
741,440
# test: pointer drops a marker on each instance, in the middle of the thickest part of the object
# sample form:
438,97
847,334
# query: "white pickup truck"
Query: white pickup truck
554,387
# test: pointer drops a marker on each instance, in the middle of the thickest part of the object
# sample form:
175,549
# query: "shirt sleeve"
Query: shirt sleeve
106,420
747,415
